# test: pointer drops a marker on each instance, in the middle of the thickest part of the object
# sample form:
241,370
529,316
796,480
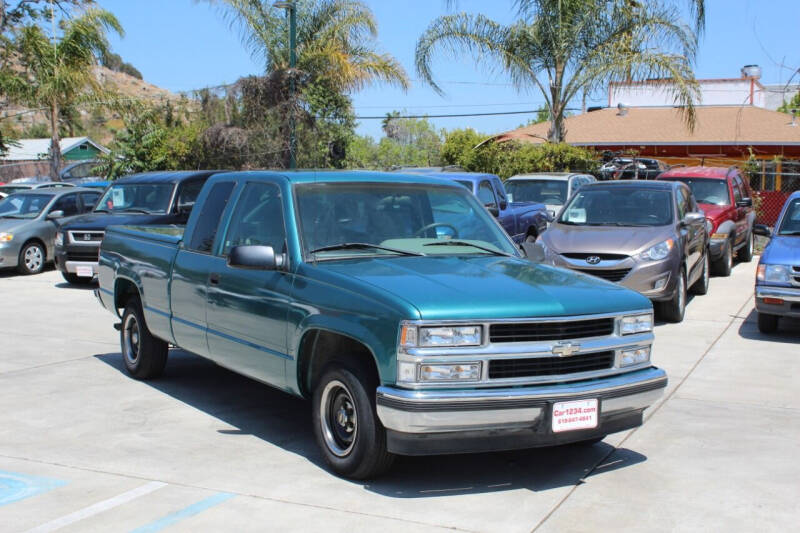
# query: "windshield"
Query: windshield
707,191
790,225
136,198
24,205
349,219
551,192
619,206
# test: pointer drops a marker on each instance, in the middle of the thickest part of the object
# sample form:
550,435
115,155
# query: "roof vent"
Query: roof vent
622,109
751,71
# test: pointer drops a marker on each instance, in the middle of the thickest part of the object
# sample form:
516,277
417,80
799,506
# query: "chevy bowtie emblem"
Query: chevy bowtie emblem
565,349
593,259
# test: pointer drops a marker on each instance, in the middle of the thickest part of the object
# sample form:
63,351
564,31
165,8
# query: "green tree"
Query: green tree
58,74
792,106
564,47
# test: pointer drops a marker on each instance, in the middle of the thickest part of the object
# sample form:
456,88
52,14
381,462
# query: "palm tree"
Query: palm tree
335,41
58,74
564,47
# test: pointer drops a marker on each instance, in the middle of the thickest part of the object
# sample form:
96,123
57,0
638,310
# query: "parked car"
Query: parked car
632,168
81,170
28,224
778,274
523,221
337,287
648,236
727,200
19,186
552,188
142,199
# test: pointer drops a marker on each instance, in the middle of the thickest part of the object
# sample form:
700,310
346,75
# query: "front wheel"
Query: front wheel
724,265
31,258
674,309
143,355
346,425
767,323
745,254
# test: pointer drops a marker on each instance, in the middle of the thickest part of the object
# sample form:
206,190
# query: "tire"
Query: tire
745,253
767,323
346,425
143,355
723,265
74,279
675,309
32,258
701,285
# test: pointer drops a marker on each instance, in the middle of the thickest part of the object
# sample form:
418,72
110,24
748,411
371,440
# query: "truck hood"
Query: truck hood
782,250
457,287
100,221
561,238
714,212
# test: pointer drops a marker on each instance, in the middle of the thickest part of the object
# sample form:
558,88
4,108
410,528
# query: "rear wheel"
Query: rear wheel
31,258
767,323
75,279
143,355
674,309
346,425
723,265
701,285
745,253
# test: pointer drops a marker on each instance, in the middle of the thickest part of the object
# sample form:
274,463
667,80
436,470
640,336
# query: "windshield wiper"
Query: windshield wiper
134,210
362,246
15,216
101,210
465,243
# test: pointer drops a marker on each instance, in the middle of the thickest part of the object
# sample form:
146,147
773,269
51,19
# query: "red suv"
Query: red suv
727,200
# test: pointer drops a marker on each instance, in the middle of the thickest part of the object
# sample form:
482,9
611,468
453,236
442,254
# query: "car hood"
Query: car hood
100,221
713,211
459,287
11,225
782,250
561,238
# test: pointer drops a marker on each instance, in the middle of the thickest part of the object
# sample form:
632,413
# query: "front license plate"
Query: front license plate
84,272
569,416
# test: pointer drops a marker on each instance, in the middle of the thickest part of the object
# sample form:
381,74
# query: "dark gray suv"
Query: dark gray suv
648,236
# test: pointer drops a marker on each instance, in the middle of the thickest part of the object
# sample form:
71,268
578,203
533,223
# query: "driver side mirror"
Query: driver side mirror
762,229
255,257
185,208
52,215
693,218
533,251
493,210
745,202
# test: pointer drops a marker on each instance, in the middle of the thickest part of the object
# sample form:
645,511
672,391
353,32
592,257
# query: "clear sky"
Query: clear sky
185,44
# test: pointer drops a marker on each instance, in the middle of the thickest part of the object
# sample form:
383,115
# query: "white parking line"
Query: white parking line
98,507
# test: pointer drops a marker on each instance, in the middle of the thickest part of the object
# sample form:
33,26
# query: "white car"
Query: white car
550,188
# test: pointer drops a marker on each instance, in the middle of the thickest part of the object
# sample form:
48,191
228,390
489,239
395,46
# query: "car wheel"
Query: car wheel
75,279
674,309
346,425
767,323
745,254
724,265
701,285
143,355
31,258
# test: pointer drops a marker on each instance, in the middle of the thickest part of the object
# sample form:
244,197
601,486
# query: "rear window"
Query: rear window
708,191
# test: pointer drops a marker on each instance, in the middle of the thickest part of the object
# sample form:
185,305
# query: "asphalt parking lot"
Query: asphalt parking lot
85,448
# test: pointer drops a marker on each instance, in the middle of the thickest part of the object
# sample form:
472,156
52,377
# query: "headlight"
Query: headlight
659,251
6,237
630,325
59,239
709,227
635,356
774,273
437,372
441,336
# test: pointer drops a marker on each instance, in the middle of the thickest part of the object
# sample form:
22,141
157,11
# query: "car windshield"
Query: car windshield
551,192
619,206
136,198
24,205
707,191
790,225
346,220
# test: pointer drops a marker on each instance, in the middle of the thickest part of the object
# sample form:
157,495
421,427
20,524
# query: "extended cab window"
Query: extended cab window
257,219
207,223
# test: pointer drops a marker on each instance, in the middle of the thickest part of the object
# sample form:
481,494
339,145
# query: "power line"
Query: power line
456,115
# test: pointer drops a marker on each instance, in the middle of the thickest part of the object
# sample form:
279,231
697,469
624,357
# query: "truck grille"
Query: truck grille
615,275
551,331
550,366
91,256
796,276
603,257
86,237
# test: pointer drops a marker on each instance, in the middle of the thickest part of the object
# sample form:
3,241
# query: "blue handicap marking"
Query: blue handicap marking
186,512
15,487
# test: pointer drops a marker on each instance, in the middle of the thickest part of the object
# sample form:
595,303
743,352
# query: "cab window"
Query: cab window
257,219
486,195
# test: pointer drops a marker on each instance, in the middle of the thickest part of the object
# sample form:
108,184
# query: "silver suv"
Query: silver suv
552,189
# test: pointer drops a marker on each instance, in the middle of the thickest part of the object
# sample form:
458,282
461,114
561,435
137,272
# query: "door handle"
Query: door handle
213,278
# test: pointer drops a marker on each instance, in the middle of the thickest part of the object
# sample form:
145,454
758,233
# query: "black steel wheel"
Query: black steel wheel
143,355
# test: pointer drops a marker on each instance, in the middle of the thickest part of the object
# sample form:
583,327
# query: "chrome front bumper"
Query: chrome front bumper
785,294
790,307
436,411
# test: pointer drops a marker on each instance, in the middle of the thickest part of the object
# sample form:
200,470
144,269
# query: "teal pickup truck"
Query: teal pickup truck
395,303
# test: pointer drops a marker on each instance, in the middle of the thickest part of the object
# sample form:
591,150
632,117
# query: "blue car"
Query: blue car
778,278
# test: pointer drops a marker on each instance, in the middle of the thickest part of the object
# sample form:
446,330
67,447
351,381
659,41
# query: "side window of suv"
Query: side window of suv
206,229
486,194
739,184
737,191
683,203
